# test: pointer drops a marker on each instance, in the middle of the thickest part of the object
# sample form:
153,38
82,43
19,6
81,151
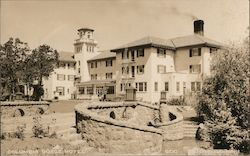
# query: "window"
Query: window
89,90
79,63
140,69
156,86
81,90
79,70
121,87
60,90
71,65
62,65
141,86
71,77
108,63
161,53
166,86
111,90
177,86
109,75
125,70
93,65
194,52
195,86
68,90
195,68
161,69
125,54
198,86
78,49
140,53
60,77
93,76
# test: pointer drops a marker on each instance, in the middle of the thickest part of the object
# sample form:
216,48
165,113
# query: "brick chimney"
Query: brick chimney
198,27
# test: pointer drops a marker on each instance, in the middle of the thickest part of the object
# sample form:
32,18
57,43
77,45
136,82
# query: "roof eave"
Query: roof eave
91,60
144,46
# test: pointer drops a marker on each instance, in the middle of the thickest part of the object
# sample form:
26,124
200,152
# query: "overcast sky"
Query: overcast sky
117,22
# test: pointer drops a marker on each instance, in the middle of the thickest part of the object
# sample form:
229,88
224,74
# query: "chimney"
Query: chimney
198,27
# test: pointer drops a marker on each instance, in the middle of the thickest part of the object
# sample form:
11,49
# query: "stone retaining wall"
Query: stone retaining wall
23,108
116,136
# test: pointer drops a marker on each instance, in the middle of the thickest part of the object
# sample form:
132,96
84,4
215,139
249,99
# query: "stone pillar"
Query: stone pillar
164,113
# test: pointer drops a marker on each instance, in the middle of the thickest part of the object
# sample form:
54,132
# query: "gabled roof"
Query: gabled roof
103,55
192,40
174,43
149,40
66,56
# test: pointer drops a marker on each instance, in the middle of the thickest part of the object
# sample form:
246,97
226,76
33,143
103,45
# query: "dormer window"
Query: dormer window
194,52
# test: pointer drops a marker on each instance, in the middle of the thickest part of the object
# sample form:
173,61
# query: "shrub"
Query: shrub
223,104
38,129
20,132
177,101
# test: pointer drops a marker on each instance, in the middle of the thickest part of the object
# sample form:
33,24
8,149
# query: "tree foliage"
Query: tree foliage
12,61
18,63
224,102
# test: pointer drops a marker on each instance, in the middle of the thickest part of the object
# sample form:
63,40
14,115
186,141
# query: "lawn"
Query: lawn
64,106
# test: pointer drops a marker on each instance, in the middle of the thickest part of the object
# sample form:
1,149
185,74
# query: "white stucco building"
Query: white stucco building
151,65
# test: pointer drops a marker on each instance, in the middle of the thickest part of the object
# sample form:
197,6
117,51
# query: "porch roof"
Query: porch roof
95,82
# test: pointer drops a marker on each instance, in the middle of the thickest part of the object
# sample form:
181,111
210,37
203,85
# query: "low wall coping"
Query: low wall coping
23,103
96,105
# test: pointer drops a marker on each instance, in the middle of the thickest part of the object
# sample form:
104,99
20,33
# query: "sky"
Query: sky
117,22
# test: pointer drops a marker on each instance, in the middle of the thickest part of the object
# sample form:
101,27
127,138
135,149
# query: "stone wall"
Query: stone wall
115,136
138,113
23,108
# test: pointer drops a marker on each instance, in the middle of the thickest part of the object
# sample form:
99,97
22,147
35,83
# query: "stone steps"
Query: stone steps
189,129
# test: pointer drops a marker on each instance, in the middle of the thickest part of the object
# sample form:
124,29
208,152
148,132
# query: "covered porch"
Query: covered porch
102,89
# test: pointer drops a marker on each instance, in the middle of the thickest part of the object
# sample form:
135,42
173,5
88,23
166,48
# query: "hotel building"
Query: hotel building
151,65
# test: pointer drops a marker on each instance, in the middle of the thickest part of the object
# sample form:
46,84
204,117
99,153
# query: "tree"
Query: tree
224,102
44,59
12,56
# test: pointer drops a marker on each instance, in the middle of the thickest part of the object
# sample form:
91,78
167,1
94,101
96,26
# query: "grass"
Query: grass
64,106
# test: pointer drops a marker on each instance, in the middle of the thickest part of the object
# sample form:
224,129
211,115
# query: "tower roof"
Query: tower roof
85,29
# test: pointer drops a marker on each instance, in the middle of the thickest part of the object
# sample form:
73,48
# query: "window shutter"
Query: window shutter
137,69
190,52
122,55
143,52
190,68
137,53
199,50
111,62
